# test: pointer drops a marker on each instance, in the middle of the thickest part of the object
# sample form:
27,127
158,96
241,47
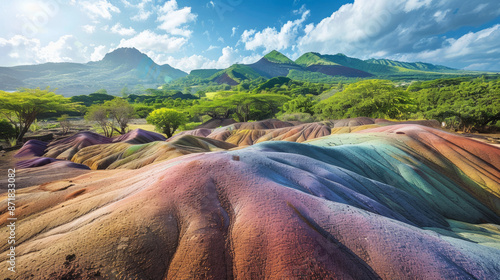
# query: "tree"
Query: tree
242,106
217,109
23,106
370,98
256,106
300,104
124,92
462,104
117,111
167,120
64,123
121,111
100,115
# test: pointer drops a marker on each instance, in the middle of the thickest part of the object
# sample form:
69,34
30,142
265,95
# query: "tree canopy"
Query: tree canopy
464,105
370,98
22,107
113,115
242,107
167,120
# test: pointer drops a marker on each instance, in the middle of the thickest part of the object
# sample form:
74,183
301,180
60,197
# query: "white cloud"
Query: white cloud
271,38
143,12
119,29
300,11
150,41
185,63
20,50
173,20
99,53
479,50
233,31
88,28
142,15
99,8
229,56
211,47
66,49
220,39
365,27
211,4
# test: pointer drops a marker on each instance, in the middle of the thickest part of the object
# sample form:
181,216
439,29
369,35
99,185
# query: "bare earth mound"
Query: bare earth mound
391,202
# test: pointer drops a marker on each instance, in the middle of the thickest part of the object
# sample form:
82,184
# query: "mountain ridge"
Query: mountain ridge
128,67
275,64
123,67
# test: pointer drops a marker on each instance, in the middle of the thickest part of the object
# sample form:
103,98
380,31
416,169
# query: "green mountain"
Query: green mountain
316,67
122,67
277,57
274,64
355,63
312,58
419,66
235,74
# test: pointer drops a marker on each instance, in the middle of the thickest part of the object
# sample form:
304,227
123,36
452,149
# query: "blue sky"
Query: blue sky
217,33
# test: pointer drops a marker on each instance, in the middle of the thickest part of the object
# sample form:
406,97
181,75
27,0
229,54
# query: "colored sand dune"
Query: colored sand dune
124,155
381,202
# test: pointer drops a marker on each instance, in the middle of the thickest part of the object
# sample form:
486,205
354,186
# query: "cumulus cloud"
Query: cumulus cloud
272,39
142,15
66,49
365,27
88,28
150,41
233,31
99,8
143,12
20,50
99,53
473,48
119,29
173,20
228,57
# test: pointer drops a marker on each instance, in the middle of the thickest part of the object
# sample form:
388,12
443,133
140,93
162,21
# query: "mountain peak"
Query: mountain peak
313,58
277,57
126,55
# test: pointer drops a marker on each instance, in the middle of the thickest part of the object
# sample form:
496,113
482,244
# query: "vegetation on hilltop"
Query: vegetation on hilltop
277,57
312,58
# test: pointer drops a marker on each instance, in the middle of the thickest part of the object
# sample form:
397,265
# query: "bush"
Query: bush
205,118
65,123
143,111
35,126
7,130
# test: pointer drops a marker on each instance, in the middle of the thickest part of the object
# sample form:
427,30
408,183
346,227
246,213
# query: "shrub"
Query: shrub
7,130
